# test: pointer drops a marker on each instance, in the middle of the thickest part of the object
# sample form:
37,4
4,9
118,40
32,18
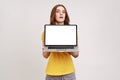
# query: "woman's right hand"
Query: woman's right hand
45,54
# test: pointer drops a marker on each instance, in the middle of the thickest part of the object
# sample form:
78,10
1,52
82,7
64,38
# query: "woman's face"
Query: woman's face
60,14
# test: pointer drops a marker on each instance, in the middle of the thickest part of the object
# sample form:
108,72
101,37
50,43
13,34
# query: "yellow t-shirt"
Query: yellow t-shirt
60,63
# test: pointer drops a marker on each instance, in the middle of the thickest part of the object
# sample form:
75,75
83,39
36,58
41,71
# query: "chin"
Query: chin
61,21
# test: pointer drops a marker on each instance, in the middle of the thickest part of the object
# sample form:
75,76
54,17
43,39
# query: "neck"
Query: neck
62,23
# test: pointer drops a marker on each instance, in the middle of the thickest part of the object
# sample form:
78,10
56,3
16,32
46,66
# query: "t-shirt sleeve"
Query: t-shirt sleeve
42,38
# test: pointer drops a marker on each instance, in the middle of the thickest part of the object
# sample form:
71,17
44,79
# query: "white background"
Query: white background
21,25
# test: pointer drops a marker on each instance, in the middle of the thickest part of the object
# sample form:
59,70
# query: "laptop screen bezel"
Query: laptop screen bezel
59,25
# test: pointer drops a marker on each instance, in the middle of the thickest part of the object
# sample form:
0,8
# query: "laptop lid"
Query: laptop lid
60,35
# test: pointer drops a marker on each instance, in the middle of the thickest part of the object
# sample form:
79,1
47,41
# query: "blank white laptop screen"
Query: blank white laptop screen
60,34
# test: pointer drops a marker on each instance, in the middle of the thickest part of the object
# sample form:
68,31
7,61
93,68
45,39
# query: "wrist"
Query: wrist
43,50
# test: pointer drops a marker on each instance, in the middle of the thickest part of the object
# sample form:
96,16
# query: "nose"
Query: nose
61,13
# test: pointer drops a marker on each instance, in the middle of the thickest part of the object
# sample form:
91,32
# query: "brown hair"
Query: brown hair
52,16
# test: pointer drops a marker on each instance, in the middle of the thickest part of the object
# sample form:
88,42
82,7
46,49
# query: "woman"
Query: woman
60,65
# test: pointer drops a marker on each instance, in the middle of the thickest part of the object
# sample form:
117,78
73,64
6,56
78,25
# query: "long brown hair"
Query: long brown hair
52,16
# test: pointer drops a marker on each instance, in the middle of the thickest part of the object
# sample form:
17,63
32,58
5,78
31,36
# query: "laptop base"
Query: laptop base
61,50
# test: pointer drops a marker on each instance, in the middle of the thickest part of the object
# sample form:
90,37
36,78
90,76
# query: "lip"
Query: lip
61,17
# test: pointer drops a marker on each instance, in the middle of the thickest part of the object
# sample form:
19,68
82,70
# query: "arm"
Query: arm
45,54
74,54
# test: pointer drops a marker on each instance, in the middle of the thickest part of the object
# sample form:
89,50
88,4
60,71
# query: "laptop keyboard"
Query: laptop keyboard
61,47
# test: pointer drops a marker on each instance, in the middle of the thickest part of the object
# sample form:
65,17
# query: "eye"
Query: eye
57,11
63,11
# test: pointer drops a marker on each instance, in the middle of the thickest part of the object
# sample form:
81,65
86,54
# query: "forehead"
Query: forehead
60,8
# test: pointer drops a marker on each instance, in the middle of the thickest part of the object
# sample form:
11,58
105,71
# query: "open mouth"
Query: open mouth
61,17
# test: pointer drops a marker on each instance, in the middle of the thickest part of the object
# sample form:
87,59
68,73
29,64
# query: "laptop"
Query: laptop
60,38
